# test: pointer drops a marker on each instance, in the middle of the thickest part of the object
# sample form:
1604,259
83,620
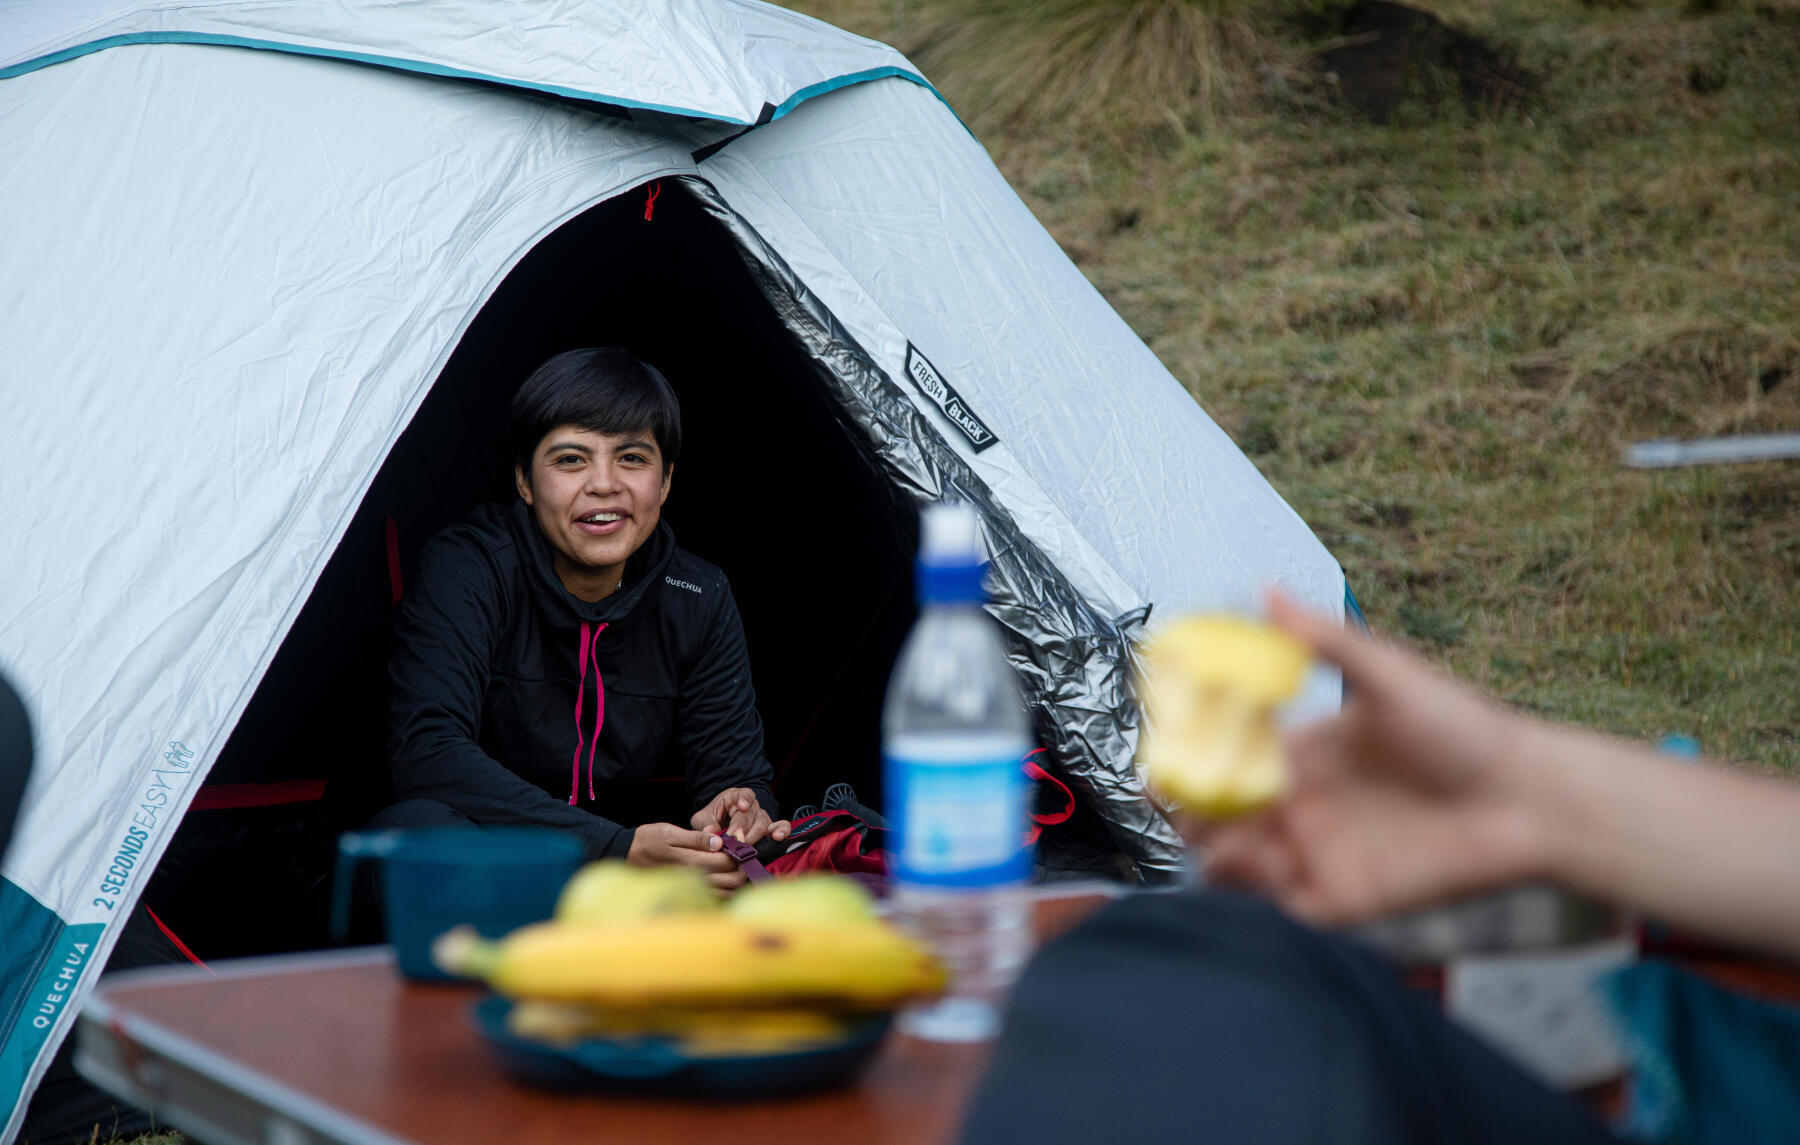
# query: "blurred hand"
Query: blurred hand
1416,791
660,844
736,812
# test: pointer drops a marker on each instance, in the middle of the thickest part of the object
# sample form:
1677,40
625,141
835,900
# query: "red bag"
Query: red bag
847,843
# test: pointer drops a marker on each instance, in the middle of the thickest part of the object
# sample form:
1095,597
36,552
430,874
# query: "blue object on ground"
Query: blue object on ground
1680,746
1709,1066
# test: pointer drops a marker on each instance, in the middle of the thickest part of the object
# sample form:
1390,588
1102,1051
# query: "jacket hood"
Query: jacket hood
643,569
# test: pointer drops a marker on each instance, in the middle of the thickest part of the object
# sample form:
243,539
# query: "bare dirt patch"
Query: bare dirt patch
1385,57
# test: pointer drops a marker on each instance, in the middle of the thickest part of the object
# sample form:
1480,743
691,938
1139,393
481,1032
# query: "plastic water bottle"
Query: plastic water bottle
953,733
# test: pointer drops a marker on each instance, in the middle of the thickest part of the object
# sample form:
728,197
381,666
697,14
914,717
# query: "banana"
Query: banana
698,1033
769,1032
559,1023
700,960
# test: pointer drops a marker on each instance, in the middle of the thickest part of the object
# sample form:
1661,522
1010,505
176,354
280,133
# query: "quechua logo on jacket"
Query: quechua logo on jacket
932,384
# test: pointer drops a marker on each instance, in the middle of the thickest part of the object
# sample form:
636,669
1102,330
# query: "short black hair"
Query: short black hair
602,390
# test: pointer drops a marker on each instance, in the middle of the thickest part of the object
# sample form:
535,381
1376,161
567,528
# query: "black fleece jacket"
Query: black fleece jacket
486,670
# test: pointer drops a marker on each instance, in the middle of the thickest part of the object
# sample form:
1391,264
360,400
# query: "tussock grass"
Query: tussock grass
1435,335
1025,64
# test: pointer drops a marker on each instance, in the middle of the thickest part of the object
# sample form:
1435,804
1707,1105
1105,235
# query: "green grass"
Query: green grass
1435,336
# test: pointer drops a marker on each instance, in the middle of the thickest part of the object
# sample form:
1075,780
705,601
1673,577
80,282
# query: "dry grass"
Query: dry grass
1024,65
1435,335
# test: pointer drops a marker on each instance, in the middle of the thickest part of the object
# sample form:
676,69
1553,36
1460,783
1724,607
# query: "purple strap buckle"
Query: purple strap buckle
746,858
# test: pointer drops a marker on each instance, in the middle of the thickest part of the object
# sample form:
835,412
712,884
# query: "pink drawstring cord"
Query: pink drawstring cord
590,652
599,707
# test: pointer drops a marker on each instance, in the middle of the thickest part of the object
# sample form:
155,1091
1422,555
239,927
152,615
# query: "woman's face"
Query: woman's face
597,498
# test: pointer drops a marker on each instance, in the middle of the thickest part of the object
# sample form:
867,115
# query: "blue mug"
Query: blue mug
495,879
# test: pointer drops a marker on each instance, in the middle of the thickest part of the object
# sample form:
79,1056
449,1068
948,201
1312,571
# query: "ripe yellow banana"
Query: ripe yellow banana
700,960
699,1033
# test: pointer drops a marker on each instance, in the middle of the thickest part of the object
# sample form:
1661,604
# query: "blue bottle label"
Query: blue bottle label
958,824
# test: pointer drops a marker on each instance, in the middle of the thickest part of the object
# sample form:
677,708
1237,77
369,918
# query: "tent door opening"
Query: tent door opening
774,486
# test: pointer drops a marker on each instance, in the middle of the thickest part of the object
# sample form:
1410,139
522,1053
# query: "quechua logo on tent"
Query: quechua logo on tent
932,384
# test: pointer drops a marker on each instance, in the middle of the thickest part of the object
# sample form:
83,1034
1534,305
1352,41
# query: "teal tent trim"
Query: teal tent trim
824,87
42,960
423,67
1353,610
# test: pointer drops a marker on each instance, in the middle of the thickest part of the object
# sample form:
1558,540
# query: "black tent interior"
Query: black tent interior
773,487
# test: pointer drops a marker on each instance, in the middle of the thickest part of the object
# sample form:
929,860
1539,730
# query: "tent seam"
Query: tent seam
396,63
426,67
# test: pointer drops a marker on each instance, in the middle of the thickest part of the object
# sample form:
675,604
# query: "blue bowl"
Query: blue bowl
657,1065
495,879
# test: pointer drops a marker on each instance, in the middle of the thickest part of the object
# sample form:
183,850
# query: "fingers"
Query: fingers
747,821
726,881
708,863
1259,859
1250,855
779,830
1331,641
1318,907
741,825
752,825
711,818
697,840
1369,666
722,814
1319,751
697,849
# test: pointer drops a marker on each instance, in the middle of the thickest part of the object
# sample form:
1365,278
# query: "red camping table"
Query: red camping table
336,1047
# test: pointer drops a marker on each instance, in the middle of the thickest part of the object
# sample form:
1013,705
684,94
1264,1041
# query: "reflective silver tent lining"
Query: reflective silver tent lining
1073,662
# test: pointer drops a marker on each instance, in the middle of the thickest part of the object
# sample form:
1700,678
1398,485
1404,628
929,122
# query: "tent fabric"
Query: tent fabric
1135,494
1072,660
321,236
231,277
729,60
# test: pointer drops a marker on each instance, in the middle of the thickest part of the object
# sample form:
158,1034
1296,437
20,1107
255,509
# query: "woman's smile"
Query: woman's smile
603,522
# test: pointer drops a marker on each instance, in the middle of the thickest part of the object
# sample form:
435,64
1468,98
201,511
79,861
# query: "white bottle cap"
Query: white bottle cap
949,534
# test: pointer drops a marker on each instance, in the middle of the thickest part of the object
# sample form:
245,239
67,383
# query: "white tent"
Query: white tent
229,278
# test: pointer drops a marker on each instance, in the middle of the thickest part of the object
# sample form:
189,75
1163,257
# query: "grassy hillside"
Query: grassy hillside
1434,322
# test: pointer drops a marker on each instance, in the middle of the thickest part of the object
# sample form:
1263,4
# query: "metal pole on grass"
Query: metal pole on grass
1713,451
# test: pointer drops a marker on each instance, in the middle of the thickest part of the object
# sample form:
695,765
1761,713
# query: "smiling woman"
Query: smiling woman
522,613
